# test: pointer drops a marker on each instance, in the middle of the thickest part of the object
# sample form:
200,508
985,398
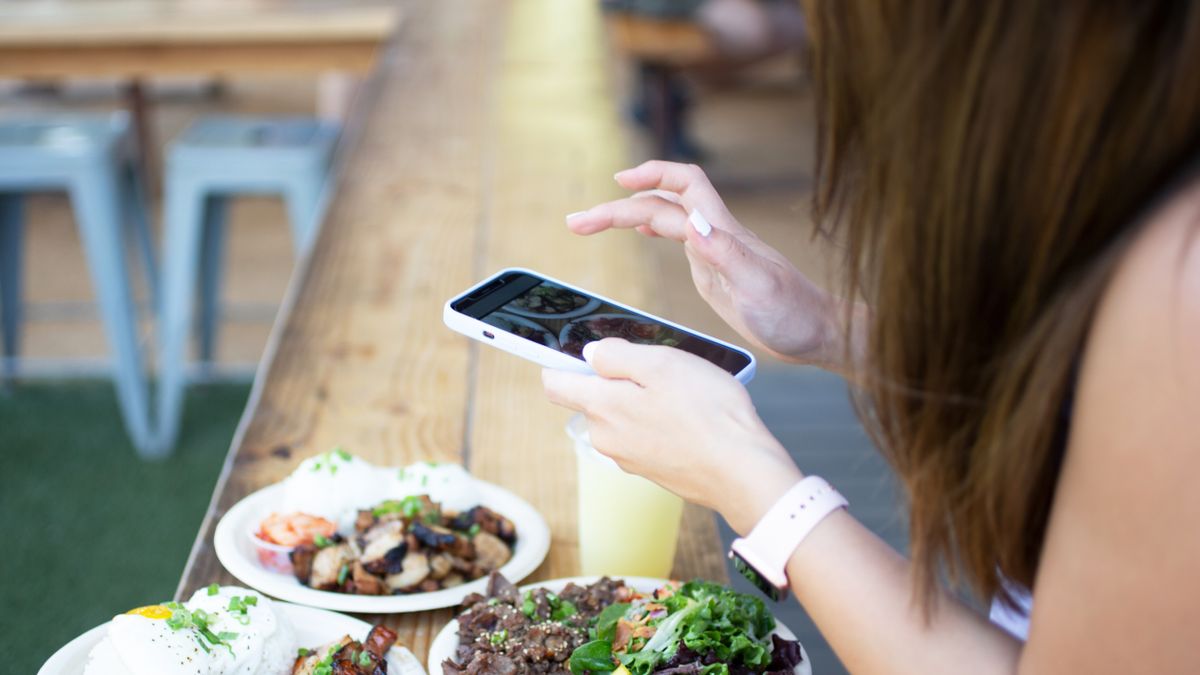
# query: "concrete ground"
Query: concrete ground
759,139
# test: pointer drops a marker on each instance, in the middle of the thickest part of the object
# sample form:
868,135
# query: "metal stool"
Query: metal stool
213,160
90,158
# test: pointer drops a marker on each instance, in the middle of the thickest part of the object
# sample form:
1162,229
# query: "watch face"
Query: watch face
745,569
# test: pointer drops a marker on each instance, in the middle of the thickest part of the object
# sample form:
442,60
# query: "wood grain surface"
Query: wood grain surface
143,38
487,124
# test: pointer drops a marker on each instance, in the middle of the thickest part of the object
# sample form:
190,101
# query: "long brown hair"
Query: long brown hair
983,164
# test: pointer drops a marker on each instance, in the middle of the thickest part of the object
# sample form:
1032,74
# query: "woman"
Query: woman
1011,184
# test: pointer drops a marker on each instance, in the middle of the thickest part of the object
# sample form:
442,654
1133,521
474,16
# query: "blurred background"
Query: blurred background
721,83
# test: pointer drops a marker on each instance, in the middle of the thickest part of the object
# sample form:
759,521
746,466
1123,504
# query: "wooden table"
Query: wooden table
140,39
489,121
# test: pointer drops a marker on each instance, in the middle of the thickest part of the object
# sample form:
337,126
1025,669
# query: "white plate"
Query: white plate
591,305
313,627
236,552
446,642
566,330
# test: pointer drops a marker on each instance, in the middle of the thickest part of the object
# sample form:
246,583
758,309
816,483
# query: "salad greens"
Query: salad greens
707,619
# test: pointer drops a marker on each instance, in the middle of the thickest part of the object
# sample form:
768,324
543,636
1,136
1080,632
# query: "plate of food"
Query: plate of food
551,301
233,630
631,626
522,327
636,329
342,534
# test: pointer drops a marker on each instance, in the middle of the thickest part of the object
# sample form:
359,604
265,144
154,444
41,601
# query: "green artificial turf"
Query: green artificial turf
89,530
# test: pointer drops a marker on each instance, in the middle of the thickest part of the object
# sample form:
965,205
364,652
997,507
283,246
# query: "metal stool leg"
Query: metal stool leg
180,262
95,197
305,206
211,263
134,201
12,226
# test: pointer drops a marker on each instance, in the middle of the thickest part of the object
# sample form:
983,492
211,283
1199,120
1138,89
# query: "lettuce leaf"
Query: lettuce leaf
709,619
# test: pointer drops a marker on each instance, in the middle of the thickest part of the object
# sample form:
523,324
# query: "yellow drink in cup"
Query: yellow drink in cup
628,526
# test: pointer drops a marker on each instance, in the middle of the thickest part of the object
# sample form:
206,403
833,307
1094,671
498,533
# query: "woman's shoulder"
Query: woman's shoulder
1140,372
1122,546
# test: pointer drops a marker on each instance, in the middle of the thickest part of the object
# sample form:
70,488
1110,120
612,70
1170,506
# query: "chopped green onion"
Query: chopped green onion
342,453
322,541
213,589
342,574
499,636
364,658
474,529
302,652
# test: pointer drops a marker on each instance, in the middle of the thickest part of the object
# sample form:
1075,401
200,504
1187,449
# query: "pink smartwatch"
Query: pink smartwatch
762,556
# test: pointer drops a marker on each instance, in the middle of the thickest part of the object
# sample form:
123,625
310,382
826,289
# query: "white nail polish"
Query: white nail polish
700,223
589,350
576,214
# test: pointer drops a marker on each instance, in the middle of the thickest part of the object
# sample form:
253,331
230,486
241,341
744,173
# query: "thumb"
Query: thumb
725,252
615,358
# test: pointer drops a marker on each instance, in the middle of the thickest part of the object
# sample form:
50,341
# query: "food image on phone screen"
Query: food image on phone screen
565,320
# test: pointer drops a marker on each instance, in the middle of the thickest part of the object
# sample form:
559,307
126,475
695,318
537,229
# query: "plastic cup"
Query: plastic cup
628,526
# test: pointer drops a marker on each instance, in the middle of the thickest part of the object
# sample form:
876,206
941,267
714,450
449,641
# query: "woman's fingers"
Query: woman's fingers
663,217
588,394
686,180
644,365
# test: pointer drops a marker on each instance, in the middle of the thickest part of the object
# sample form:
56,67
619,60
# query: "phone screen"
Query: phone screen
566,319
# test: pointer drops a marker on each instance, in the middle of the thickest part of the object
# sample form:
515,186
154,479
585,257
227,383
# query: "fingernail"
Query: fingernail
589,350
700,223
575,215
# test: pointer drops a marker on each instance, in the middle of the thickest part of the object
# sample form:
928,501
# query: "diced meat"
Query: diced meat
489,521
380,640
383,548
364,521
414,570
366,583
327,566
302,561
440,566
490,552
442,539
307,665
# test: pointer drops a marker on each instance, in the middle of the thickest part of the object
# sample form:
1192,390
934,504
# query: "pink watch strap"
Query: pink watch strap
773,540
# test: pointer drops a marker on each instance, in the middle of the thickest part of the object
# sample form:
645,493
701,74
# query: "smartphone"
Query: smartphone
549,321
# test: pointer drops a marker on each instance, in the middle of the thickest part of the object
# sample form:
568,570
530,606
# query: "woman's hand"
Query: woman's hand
749,284
681,422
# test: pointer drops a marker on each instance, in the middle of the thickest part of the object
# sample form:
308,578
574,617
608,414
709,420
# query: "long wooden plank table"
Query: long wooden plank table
490,121
144,38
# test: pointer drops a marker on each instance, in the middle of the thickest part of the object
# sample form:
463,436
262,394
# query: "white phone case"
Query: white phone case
545,356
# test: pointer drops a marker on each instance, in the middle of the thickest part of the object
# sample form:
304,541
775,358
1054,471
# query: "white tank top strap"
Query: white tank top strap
1013,620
